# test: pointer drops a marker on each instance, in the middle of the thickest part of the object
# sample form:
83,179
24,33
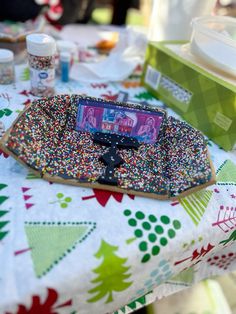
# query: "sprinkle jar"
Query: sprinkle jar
41,50
6,66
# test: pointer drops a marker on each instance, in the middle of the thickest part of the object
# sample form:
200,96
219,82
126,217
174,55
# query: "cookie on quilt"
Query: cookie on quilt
108,145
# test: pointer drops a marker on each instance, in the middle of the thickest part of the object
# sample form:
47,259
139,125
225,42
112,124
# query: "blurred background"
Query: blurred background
137,12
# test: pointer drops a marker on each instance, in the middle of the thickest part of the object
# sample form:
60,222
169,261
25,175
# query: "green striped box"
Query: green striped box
204,98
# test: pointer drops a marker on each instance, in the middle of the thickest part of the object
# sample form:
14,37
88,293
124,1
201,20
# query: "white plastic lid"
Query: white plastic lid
65,56
66,45
6,55
40,45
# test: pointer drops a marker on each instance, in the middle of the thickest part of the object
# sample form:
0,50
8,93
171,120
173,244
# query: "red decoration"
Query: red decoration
46,307
25,93
109,96
24,189
99,85
103,196
222,261
28,205
22,251
27,102
2,153
26,197
226,219
196,256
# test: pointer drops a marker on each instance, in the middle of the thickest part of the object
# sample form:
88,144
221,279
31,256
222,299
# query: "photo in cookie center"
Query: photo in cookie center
144,125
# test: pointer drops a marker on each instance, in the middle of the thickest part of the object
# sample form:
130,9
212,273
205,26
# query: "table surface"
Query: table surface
66,249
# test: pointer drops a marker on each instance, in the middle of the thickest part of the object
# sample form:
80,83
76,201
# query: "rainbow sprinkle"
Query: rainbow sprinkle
44,137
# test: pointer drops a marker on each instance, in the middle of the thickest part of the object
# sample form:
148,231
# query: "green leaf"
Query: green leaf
3,199
64,205
3,212
3,234
2,186
1,113
131,240
68,199
3,224
8,112
60,195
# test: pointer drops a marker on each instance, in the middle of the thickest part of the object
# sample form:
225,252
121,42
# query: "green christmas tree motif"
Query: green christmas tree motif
25,75
144,95
63,201
51,242
3,223
152,232
185,278
112,274
134,305
226,174
32,176
195,204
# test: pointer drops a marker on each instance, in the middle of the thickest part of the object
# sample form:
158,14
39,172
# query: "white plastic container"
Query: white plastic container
6,66
170,19
41,50
214,41
65,46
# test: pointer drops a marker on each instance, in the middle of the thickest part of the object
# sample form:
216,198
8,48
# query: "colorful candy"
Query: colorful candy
45,138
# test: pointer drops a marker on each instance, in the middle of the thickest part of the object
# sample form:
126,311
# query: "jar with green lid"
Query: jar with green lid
7,73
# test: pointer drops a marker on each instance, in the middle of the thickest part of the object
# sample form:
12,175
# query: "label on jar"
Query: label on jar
42,79
6,73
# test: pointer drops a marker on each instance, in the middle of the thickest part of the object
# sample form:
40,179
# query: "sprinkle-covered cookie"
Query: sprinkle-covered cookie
45,138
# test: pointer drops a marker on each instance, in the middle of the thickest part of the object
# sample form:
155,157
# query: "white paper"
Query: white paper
121,62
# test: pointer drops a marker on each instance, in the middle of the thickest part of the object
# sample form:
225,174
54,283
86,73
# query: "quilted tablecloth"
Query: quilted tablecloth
66,249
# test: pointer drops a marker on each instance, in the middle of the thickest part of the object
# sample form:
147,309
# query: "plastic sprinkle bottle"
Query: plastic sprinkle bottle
6,66
65,66
41,55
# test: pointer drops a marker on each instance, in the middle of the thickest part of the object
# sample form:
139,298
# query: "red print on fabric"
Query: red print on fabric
3,154
103,196
99,85
24,93
226,219
222,261
197,255
27,197
46,307
110,96
27,102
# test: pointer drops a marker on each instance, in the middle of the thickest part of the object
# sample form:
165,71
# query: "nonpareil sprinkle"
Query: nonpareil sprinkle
41,55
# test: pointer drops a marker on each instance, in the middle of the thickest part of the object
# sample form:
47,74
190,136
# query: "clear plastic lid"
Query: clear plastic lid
214,41
40,45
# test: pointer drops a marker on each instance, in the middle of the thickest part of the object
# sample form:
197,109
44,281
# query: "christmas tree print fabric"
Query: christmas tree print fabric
69,250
